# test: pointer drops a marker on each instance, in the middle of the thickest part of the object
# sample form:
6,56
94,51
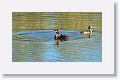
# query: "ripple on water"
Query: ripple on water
39,46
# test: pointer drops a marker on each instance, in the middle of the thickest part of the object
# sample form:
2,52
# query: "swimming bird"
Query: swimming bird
89,31
61,36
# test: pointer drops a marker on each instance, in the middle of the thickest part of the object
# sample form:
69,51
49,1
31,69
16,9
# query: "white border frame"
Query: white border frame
104,67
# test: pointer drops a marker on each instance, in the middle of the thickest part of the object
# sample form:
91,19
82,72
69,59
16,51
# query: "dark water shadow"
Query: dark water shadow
57,42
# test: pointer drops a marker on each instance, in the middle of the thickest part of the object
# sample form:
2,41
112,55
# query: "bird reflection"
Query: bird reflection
90,35
57,43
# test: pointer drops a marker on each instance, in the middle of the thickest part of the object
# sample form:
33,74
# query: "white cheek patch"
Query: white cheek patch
55,31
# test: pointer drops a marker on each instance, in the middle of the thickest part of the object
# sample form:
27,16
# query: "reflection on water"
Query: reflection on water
57,41
40,46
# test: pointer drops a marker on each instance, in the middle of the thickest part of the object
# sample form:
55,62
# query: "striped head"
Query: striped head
90,27
56,31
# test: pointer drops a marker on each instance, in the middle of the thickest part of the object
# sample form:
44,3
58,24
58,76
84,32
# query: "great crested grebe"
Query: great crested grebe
61,36
89,31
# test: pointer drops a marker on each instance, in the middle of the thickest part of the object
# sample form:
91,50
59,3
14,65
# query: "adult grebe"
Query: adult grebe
89,31
61,36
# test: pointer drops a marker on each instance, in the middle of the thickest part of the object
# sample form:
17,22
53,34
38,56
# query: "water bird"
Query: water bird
89,31
60,36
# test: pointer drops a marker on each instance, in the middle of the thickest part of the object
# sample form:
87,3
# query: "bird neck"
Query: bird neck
90,30
56,36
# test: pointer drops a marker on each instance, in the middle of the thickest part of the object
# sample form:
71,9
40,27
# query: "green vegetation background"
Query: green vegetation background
56,20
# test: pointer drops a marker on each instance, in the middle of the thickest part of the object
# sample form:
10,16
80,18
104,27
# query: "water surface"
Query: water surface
33,37
40,46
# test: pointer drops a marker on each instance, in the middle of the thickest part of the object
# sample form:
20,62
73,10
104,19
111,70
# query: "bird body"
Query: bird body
61,36
89,31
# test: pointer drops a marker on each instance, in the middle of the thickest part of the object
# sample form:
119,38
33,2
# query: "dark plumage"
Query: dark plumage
61,36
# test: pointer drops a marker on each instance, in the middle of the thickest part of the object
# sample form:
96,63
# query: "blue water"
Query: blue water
40,46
